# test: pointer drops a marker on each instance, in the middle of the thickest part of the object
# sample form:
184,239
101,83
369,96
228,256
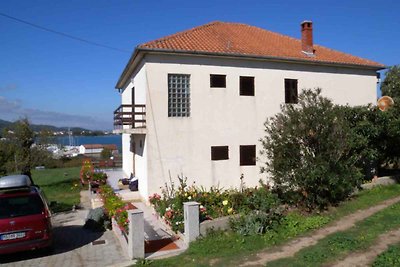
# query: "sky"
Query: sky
56,80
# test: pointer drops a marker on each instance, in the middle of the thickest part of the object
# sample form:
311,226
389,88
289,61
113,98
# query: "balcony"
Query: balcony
130,119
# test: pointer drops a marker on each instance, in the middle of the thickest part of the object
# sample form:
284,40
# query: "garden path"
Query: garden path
366,258
153,228
294,246
160,239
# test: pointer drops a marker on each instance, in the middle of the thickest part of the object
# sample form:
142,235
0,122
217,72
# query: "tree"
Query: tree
376,135
21,140
6,156
41,157
106,153
308,149
391,84
45,137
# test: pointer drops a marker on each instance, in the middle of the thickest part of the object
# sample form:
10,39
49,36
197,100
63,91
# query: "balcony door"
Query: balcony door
133,150
132,136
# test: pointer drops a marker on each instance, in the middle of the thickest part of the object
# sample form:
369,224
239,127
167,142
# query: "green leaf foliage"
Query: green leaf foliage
375,134
390,257
391,84
308,152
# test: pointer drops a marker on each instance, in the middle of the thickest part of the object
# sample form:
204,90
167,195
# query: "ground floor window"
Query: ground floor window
219,152
247,155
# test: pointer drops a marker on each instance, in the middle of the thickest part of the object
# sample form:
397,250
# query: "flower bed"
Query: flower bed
89,175
214,203
115,208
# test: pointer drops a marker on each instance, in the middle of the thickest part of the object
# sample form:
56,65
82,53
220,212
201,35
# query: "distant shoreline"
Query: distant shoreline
78,140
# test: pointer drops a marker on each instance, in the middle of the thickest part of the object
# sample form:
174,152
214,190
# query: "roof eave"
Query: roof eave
286,59
136,57
129,68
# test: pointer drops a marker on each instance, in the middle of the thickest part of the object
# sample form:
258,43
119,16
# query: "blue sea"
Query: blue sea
82,140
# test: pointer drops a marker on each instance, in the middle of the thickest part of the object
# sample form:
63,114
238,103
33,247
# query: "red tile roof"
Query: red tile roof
98,146
245,40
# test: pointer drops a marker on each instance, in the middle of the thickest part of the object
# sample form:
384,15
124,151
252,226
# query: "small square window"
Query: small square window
217,81
246,86
248,155
219,152
291,93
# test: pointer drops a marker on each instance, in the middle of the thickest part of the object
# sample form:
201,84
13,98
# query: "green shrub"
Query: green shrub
99,177
375,135
115,207
257,222
214,203
308,149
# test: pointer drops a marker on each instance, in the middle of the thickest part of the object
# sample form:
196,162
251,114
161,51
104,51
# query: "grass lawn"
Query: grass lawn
230,247
339,244
391,257
60,185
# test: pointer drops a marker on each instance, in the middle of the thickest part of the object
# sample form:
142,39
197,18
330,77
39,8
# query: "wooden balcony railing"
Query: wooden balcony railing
131,116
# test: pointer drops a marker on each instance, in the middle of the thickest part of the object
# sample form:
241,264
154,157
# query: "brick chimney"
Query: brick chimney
307,37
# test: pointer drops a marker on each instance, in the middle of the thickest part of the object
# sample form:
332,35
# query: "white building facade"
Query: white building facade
201,115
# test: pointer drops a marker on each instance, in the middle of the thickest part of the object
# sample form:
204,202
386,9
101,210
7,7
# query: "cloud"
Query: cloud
8,87
8,106
13,110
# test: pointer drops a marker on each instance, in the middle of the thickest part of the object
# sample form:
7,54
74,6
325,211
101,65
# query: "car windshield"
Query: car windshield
17,206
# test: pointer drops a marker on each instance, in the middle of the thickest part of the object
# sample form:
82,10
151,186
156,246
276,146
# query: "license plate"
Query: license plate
12,236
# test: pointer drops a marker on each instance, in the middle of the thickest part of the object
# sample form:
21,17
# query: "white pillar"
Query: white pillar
191,219
136,234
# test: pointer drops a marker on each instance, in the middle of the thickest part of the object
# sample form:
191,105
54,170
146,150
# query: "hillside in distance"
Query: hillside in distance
39,127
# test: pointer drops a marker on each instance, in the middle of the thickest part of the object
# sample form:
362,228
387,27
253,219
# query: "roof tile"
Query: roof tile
246,40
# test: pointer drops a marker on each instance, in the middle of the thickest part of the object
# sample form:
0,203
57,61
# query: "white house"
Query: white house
96,149
194,103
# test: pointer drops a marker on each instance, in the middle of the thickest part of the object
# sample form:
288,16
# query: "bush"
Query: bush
99,177
367,132
375,136
257,222
308,149
115,207
214,202
96,220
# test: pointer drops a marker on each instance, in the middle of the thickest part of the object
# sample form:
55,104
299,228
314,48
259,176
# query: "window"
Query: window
217,81
17,206
291,91
246,85
247,155
178,95
219,152
132,147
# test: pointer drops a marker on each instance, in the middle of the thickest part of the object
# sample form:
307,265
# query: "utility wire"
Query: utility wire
62,34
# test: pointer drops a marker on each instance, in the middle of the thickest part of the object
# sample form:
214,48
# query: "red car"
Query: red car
25,218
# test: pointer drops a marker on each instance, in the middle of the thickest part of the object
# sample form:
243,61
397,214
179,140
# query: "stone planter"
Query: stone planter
385,180
221,223
132,243
121,236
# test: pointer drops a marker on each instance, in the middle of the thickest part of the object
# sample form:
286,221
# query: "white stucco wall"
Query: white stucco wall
220,116
83,150
127,156
141,163
139,81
